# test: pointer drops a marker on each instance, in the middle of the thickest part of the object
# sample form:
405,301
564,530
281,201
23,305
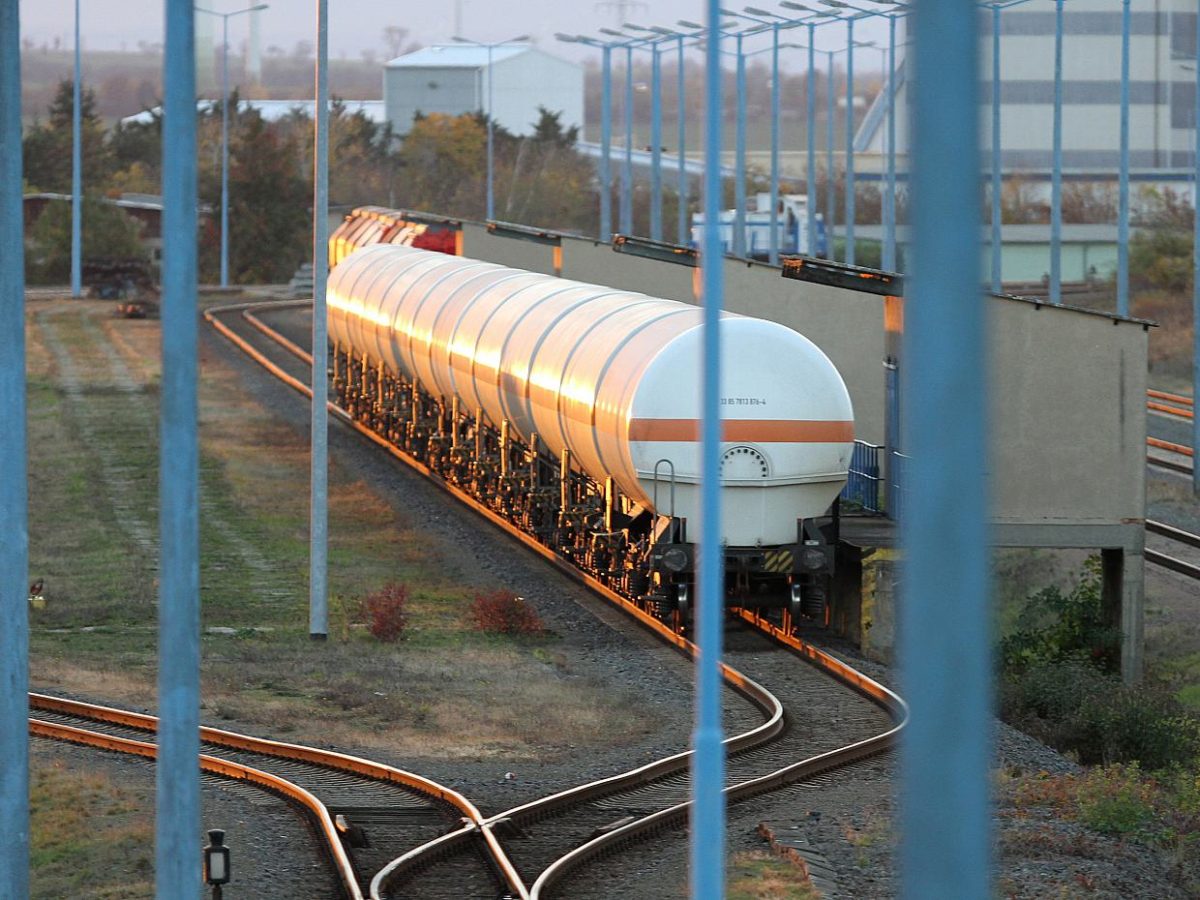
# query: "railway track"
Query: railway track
1180,409
336,793
657,792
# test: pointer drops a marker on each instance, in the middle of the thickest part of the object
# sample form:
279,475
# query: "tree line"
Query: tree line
439,166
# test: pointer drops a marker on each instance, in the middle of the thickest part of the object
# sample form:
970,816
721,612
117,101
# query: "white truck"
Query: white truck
792,224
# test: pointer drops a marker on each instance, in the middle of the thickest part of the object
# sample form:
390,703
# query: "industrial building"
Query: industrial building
1161,90
515,79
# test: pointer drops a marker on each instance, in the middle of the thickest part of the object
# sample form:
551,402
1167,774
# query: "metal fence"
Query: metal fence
897,485
864,484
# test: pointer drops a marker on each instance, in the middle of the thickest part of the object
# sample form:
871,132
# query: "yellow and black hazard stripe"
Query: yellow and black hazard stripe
778,561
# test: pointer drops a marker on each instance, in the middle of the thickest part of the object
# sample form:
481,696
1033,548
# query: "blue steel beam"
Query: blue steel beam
850,140
606,231
14,537
739,166
627,168
656,227
1056,171
773,249
1123,178
684,232
77,170
1196,268
997,234
810,137
945,646
708,761
889,215
830,180
177,819
318,535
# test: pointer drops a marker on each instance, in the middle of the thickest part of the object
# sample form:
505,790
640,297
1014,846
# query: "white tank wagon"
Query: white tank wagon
604,384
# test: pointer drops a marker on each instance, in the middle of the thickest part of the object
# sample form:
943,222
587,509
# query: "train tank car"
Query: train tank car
573,410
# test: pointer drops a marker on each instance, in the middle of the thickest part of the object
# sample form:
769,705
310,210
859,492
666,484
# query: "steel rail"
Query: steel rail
227,769
1181,449
1176,411
874,691
1170,398
1180,536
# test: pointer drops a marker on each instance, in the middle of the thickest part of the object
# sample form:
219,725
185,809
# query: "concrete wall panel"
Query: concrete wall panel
1068,415
479,243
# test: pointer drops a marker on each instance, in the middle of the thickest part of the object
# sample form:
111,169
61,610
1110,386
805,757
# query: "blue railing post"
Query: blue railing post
810,138
627,169
708,763
1123,189
14,536
318,615
850,140
1196,268
606,231
77,170
1056,172
656,228
684,231
830,177
997,235
177,819
889,238
773,252
944,637
739,192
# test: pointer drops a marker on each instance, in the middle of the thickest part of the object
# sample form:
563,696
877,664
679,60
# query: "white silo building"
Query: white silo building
454,79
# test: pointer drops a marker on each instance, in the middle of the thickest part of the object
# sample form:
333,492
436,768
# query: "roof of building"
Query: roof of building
456,56
274,110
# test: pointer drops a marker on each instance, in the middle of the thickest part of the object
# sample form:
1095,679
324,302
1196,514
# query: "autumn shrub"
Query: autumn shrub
504,612
385,612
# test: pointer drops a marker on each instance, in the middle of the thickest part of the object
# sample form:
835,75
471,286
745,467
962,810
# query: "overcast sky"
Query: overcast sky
357,25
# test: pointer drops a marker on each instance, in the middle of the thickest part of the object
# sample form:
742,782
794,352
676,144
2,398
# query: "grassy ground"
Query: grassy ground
90,836
445,690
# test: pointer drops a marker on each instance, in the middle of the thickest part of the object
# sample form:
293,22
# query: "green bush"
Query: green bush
1056,627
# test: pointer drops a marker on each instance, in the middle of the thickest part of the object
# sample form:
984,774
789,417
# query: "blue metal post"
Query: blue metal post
606,144
850,140
708,763
627,170
889,208
225,151
739,181
1196,269
945,612
773,257
684,232
491,196
1056,172
77,171
655,143
810,137
1123,178
997,235
177,819
318,616
14,537
830,178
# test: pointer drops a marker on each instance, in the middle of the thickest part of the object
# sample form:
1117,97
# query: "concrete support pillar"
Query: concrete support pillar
880,578
1124,598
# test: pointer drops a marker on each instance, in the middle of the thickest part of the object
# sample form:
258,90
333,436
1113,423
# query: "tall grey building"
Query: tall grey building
1161,91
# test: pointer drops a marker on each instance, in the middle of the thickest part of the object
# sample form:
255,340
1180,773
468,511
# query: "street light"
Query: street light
519,39
225,17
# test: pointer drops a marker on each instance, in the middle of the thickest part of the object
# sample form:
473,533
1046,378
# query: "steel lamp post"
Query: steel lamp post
225,17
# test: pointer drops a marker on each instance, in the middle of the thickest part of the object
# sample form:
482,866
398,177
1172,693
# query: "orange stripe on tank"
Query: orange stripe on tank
762,431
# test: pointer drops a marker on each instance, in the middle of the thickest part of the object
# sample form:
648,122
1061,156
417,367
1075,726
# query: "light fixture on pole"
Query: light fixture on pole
225,17
491,176
216,862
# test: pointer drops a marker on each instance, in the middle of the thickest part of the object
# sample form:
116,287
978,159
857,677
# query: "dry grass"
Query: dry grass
443,691
89,836
759,875
1171,343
